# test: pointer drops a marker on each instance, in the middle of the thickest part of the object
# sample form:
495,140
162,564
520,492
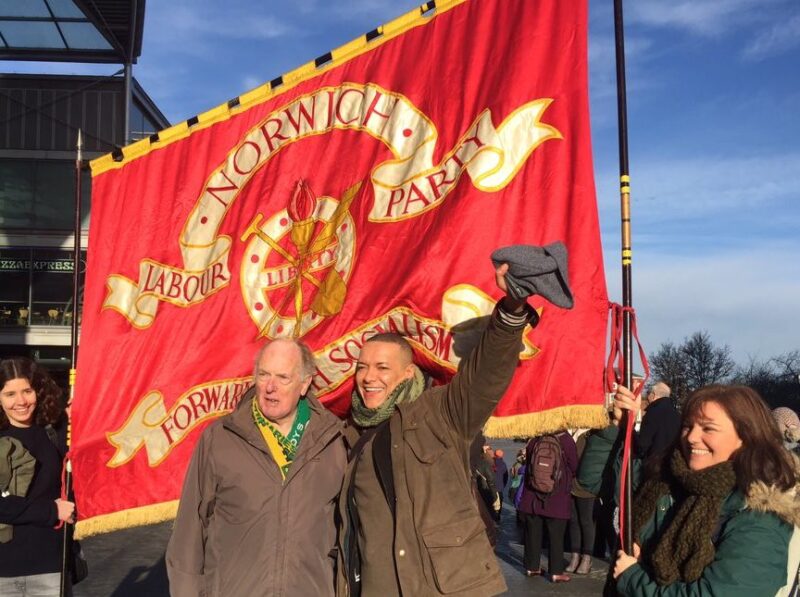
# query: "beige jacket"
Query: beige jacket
440,542
240,530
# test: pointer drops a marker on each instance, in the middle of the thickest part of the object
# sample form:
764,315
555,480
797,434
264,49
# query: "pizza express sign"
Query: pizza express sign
39,265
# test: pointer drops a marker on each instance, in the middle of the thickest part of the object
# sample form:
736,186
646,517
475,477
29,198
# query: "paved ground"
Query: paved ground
130,563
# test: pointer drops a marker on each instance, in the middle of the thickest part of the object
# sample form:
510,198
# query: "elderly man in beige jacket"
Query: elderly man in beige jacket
256,513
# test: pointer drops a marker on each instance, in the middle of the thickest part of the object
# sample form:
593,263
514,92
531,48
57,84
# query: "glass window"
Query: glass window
36,287
149,127
65,9
54,194
84,36
52,287
17,182
31,34
15,271
39,194
141,125
29,8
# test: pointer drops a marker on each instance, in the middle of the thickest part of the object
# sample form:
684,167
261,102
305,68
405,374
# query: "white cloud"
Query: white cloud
393,8
702,17
707,186
198,28
773,25
776,39
746,299
602,65
602,52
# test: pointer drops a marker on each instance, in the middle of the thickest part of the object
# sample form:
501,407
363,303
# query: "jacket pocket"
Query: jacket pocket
460,555
426,446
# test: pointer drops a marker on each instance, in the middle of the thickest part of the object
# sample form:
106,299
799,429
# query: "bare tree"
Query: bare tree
789,365
759,375
667,365
705,363
697,362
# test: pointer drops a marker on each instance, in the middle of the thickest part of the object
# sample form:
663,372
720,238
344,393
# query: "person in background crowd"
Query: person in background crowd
487,487
479,487
789,427
661,423
515,489
256,515
581,521
32,445
514,473
519,462
714,515
500,476
551,509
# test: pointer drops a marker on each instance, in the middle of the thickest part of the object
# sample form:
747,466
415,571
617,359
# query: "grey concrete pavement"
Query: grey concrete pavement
509,553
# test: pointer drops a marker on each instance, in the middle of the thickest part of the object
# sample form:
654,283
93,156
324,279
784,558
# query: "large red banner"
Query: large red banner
361,195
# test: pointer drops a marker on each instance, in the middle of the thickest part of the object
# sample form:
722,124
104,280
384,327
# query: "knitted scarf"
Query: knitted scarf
685,548
408,391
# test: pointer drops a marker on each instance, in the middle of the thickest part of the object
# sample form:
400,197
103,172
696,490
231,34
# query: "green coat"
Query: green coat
597,471
17,467
752,545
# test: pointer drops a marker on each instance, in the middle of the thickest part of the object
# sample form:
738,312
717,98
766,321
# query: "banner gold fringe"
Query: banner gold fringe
548,421
126,519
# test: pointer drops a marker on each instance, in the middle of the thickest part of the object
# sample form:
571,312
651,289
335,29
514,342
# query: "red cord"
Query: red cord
626,450
614,376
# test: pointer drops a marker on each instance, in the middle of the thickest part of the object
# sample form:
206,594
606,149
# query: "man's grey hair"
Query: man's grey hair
660,390
308,365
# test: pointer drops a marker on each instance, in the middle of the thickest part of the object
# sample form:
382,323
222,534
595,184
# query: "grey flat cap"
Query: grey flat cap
537,270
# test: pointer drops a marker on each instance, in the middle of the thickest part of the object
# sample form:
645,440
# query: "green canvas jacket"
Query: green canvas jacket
17,467
440,542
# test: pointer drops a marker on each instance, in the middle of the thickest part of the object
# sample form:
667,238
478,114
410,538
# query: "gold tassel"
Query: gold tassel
126,519
548,421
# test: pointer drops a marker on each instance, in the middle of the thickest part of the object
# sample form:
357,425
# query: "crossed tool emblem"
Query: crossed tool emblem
321,239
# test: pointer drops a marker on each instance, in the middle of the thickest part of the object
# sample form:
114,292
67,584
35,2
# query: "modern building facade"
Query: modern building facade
40,115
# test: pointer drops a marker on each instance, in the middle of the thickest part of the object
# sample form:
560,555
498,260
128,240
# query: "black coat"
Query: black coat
660,428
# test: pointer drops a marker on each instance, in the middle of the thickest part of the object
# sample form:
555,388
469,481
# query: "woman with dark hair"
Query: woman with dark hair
716,514
31,453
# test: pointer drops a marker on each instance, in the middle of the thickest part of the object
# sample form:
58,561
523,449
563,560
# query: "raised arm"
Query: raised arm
486,373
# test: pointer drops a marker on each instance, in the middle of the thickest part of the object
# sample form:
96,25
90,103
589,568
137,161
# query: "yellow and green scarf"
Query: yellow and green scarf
283,448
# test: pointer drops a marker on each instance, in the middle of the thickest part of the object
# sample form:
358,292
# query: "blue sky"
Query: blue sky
713,100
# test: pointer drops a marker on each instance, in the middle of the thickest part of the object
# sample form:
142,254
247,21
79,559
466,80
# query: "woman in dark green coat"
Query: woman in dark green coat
715,515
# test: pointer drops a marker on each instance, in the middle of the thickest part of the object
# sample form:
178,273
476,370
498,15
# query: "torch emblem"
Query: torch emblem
297,263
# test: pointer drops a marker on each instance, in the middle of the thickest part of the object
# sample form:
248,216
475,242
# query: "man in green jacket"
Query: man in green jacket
410,524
